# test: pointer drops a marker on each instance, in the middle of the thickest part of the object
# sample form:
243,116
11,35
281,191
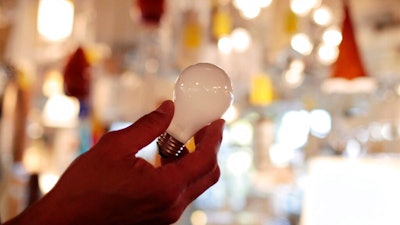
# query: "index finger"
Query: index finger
144,130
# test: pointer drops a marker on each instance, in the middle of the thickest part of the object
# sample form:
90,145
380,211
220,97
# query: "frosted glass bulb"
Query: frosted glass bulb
203,92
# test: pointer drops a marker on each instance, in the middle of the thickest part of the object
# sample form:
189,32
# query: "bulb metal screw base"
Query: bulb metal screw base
168,146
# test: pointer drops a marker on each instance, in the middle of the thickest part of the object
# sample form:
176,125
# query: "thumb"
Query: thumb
148,127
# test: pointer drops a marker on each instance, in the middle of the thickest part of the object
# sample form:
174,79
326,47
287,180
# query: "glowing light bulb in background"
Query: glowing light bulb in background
225,45
61,111
303,7
203,92
322,16
55,19
241,39
302,43
47,181
332,36
327,54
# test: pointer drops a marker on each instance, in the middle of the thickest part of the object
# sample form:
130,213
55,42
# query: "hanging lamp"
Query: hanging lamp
348,73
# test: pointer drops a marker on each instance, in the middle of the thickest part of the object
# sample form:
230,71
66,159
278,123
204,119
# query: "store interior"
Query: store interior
312,136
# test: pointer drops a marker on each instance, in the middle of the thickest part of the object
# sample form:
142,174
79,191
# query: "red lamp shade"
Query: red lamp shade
151,10
349,63
76,75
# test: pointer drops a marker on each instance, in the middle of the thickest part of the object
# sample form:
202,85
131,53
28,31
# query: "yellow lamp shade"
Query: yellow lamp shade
261,90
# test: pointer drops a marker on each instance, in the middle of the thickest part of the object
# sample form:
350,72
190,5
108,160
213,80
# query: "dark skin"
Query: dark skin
109,185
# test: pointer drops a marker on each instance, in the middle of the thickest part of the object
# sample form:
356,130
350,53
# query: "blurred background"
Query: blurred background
312,136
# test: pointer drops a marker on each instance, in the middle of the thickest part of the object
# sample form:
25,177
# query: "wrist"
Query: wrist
53,210
44,211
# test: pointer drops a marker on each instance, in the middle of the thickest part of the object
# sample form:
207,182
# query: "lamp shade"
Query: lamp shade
348,73
349,64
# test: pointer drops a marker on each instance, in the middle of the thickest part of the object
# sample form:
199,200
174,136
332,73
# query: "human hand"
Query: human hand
110,185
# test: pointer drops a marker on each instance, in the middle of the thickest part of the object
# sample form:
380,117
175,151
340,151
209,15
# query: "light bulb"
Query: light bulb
203,92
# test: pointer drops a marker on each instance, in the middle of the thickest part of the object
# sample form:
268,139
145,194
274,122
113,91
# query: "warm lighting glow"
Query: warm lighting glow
47,182
55,19
327,54
332,36
302,44
264,3
294,76
225,45
198,217
34,130
398,89
322,16
240,39
53,83
303,7
297,64
240,4
61,111
251,9
33,160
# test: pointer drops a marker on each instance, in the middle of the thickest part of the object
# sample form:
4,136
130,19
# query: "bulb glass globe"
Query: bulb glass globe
202,94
